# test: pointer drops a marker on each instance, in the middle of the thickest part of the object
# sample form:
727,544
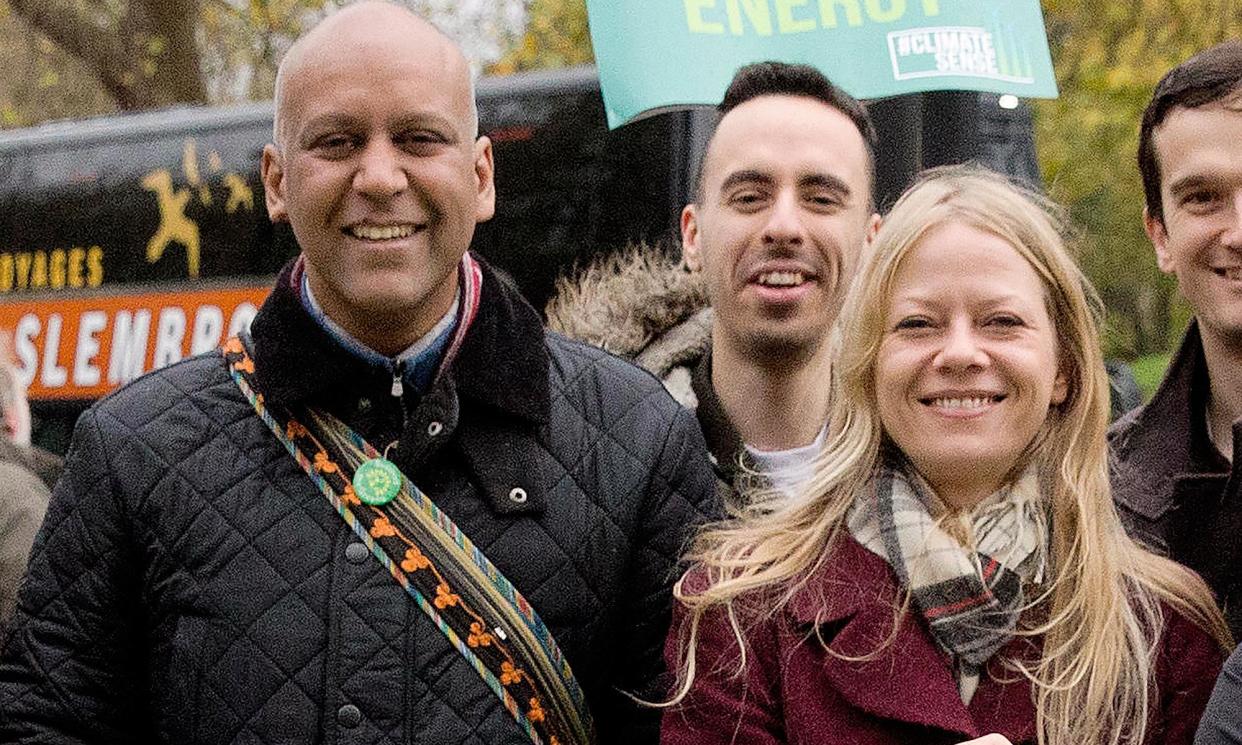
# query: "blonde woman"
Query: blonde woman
956,567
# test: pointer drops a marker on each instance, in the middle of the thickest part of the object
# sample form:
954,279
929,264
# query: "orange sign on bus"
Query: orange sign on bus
82,348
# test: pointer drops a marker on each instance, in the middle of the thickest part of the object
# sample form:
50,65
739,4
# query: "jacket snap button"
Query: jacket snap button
349,716
517,495
435,428
356,552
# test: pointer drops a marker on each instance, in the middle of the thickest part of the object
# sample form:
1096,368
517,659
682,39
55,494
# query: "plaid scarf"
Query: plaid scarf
964,570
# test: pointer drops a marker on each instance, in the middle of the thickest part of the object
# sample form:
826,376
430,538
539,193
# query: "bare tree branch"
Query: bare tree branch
178,69
100,49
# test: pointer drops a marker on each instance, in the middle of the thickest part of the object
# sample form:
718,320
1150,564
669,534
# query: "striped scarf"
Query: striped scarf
964,570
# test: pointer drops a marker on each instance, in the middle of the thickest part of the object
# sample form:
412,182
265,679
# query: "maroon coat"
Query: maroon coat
793,691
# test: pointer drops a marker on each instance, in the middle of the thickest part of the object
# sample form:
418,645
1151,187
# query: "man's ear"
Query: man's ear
484,174
873,226
272,172
690,255
1159,236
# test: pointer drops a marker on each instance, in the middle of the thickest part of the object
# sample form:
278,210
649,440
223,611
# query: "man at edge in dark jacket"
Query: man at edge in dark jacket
193,584
1176,473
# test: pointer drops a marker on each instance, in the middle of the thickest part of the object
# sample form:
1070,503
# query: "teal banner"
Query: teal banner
659,54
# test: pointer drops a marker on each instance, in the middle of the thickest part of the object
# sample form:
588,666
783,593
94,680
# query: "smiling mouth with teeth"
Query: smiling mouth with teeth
781,279
380,232
966,403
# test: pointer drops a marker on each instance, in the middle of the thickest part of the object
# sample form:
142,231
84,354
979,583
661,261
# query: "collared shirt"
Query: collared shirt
416,366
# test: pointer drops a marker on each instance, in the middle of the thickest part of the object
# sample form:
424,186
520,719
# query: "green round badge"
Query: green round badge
377,481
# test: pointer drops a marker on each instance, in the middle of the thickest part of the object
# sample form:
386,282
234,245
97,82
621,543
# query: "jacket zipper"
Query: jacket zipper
398,388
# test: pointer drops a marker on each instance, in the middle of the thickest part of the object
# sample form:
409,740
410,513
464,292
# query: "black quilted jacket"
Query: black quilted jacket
190,585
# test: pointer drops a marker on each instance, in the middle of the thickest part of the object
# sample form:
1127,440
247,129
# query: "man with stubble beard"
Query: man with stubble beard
782,210
1176,475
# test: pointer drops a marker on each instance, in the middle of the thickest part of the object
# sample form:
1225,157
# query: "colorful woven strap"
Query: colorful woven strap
481,613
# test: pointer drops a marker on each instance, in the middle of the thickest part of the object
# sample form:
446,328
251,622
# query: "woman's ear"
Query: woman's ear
1060,387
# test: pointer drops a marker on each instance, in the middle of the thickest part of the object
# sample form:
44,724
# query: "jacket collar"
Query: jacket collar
856,593
1157,445
723,442
502,363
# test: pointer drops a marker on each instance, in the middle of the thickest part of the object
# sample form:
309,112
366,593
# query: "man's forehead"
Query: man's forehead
1200,135
795,134
424,70
360,22
368,26
328,51
1187,117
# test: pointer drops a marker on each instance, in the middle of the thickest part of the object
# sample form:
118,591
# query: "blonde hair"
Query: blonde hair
1093,682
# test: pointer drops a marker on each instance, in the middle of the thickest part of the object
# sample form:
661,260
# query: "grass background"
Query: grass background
1149,370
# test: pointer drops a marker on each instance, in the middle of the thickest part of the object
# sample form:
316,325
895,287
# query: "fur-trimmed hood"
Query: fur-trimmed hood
642,305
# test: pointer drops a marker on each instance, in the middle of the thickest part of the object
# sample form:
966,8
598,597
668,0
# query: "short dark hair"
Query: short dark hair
1212,75
789,79
773,78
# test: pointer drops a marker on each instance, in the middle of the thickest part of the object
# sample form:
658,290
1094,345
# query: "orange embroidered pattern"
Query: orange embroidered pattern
414,560
382,528
324,464
510,674
478,636
350,498
536,710
445,596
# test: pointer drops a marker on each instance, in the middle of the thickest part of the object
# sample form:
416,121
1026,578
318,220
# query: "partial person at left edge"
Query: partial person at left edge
193,582
26,474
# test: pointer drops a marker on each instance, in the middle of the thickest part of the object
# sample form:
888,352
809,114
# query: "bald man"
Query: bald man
397,511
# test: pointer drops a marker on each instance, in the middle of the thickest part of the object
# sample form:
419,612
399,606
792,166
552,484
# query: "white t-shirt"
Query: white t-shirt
788,469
